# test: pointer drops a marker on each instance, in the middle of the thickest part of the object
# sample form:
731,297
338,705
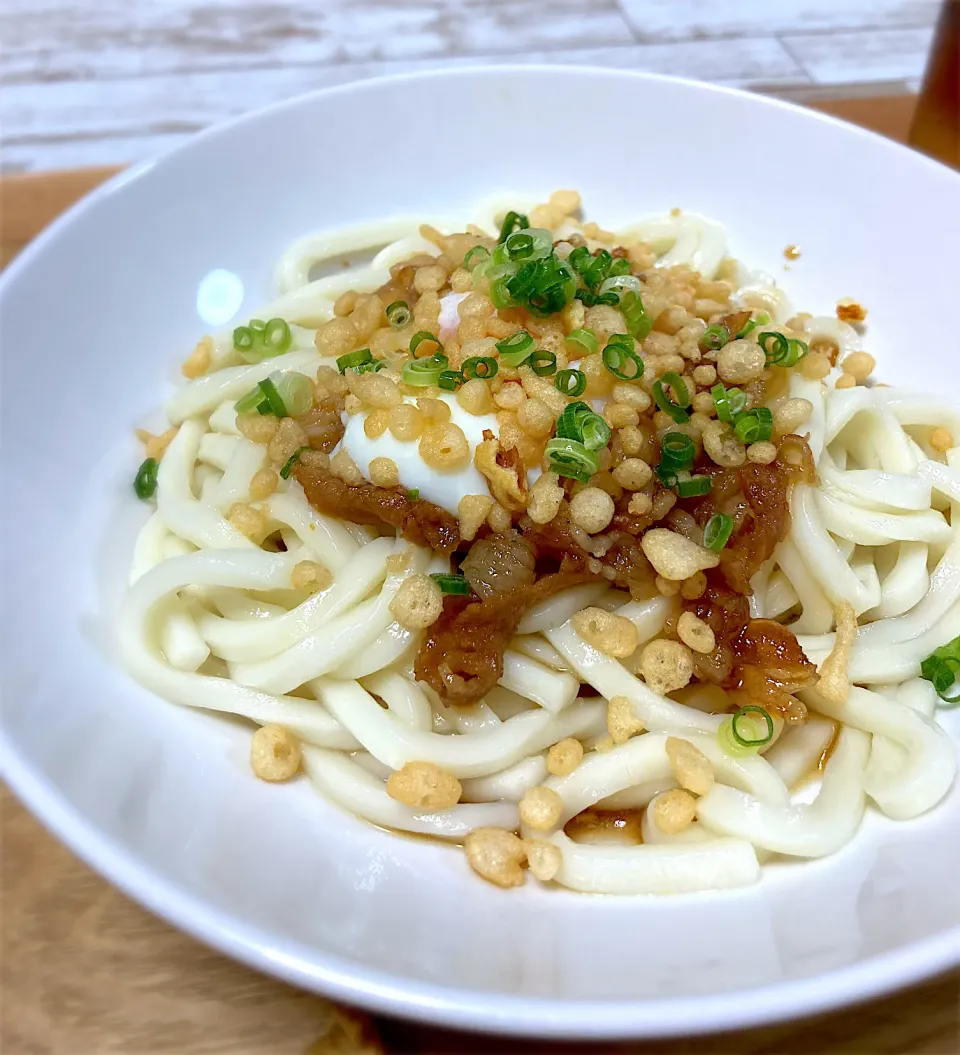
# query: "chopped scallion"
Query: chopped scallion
424,337
620,358
513,221
543,363
754,426
450,380
639,323
414,494
745,728
424,372
291,462
451,584
482,366
398,314
717,532
571,458
516,348
680,390
145,482
677,451
581,343
942,668
570,382
691,486
714,338
352,360
476,257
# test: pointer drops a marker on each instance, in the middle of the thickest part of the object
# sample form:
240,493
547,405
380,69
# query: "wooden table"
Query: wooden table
85,971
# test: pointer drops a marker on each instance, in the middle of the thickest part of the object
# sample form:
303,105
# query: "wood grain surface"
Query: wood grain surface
115,81
85,971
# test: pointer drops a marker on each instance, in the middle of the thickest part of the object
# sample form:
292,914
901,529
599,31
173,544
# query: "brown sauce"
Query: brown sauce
607,827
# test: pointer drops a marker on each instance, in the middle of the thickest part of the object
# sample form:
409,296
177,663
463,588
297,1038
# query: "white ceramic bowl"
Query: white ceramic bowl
160,800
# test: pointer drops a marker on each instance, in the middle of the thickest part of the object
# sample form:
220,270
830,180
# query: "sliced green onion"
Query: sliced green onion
451,584
581,343
258,325
677,451
754,426
450,380
296,392
243,339
620,358
414,494
620,266
744,728
714,338
942,668
291,462
543,363
398,314
730,402
579,259
568,424
145,482
571,458
679,386
532,243
476,257
570,382
423,372
595,432
692,486
276,337
775,346
249,402
272,398
596,271
761,320
419,338
373,367
639,323
579,422
619,284
352,360
516,348
500,295
798,350
482,366
513,221
717,532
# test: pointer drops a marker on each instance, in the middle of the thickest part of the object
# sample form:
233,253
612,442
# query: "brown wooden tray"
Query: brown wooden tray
85,970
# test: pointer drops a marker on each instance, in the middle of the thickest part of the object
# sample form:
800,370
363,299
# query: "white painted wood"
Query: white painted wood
190,101
871,55
682,19
117,38
113,81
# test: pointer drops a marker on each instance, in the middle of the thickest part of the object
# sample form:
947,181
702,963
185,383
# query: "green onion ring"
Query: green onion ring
714,338
543,363
581,342
516,348
570,458
693,486
451,584
482,366
746,741
424,372
291,462
145,482
398,314
717,532
674,410
570,382
354,359
419,338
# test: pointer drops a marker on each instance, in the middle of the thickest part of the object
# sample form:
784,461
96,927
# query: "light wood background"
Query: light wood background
86,971
100,82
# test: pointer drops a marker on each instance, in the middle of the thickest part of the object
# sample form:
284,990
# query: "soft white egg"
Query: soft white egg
443,487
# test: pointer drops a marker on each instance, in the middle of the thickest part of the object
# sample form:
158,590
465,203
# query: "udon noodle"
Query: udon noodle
615,689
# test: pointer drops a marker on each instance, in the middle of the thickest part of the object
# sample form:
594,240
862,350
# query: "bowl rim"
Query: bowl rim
351,982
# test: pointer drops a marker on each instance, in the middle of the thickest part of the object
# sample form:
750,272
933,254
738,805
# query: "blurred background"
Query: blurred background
104,82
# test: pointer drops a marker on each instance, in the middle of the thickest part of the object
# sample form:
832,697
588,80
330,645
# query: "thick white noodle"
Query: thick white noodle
211,619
